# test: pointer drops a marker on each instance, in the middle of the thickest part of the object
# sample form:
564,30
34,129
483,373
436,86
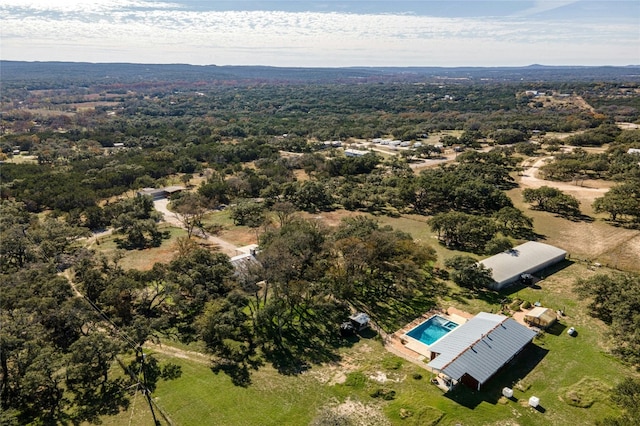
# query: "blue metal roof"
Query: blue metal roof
480,347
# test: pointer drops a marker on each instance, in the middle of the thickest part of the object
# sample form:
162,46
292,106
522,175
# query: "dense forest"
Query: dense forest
267,144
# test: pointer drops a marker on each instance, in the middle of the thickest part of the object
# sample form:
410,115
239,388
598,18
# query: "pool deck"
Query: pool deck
414,351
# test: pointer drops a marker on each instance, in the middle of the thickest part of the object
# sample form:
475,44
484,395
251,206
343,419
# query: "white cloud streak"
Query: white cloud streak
147,31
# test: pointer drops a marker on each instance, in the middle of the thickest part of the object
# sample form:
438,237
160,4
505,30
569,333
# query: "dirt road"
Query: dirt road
529,179
172,351
174,219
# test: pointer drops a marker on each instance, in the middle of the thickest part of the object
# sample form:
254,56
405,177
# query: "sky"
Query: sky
329,33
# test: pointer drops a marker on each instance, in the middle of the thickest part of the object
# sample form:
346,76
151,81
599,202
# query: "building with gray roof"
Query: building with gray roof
160,193
528,258
475,351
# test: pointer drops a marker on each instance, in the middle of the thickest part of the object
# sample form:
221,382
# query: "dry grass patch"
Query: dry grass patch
584,393
350,412
595,241
332,218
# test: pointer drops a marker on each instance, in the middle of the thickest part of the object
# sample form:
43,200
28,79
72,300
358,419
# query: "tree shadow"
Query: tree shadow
556,329
577,217
397,311
509,375
304,346
239,373
492,297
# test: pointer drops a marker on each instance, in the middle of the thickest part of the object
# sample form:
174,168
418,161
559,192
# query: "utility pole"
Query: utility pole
145,390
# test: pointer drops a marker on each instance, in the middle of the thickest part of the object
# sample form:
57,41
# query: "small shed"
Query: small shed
360,320
540,317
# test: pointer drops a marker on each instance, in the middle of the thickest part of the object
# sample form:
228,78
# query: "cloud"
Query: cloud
148,31
82,6
541,6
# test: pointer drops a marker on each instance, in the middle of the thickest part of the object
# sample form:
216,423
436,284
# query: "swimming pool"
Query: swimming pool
432,329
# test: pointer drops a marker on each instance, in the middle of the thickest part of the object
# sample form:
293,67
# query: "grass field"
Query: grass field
139,259
570,375
555,369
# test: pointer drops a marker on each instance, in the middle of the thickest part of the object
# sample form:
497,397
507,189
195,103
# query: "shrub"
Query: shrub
392,363
515,305
356,379
386,394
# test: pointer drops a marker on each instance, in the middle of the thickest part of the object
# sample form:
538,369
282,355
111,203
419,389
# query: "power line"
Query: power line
140,355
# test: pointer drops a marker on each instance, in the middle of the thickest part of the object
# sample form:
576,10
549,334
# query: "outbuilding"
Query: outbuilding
528,258
355,152
360,320
160,193
540,317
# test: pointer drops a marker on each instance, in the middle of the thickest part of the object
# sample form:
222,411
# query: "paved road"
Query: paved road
174,219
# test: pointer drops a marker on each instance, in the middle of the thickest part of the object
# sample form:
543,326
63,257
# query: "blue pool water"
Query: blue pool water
432,329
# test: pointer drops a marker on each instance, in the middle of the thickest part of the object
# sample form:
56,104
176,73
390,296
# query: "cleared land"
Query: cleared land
550,370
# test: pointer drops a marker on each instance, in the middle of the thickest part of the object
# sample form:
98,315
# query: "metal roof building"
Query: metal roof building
475,351
527,258
541,317
160,193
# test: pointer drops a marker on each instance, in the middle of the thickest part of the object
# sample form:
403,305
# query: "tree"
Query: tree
201,276
463,231
621,200
552,200
215,191
508,136
540,196
625,395
469,273
427,150
311,196
190,209
497,245
284,211
373,263
248,213
55,364
26,239
613,307
564,205
227,333
137,219
512,221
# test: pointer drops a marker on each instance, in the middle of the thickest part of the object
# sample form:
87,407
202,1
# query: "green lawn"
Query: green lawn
419,229
564,372
570,375
140,259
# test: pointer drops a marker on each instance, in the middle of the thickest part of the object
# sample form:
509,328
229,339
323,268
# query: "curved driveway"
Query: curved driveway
174,219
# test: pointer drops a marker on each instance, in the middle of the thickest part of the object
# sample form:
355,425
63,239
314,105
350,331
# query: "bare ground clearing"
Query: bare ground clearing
174,352
174,219
595,241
